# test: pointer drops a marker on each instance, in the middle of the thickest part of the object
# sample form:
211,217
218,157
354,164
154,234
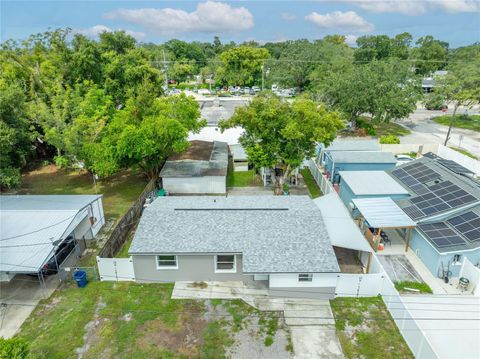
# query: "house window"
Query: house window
457,258
225,263
167,262
306,277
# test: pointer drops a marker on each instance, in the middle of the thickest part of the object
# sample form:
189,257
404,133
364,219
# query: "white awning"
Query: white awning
382,212
341,228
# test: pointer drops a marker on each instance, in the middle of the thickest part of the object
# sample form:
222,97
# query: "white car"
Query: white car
204,92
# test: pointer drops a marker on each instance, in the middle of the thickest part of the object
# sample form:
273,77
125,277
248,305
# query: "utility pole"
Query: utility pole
263,76
165,70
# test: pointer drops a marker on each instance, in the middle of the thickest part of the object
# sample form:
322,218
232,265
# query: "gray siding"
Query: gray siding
190,268
321,293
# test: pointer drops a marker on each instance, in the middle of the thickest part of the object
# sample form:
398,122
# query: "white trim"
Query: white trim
166,267
234,270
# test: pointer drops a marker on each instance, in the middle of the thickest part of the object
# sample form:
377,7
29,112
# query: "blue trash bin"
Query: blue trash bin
80,277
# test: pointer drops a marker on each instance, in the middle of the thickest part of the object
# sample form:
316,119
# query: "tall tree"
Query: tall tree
283,134
430,55
386,90
241,65
460,87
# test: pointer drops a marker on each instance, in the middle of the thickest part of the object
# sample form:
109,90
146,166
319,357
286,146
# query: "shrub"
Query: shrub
363,123
389,140
268,340
14,348
10,177
434,101
62,161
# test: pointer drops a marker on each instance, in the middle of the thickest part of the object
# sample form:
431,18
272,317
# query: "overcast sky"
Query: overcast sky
455,21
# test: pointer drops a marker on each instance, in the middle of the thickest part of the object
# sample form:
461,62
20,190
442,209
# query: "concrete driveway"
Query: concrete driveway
427,131
19,298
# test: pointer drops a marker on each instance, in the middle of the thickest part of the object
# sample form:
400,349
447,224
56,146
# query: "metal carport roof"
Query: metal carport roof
383,212
342,230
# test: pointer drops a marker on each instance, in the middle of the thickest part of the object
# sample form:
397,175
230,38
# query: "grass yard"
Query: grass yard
310,182
123,252
119,191
391,128
469,122
243,179
464,152
131,320
421,287
363,338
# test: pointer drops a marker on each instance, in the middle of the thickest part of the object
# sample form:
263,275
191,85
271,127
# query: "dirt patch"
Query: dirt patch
92,328
183,339
49,306
201,285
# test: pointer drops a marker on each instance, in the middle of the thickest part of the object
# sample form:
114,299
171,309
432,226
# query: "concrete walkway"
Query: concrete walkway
311,322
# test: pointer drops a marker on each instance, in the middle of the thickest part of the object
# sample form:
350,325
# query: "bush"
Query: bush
363,123
389,140
268,340
14,348
434,101
62,161
10,177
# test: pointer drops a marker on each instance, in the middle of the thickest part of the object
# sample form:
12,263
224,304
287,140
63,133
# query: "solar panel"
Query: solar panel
413,212
468,225
441,235
454,166
414,175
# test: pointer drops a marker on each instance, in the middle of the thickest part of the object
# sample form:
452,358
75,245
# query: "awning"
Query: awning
383,212
341,228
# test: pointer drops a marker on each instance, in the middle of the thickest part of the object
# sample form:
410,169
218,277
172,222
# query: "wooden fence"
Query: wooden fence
129,220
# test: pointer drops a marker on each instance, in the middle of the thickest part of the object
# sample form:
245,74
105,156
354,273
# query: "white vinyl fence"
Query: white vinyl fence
402,148
116,269
467,162
411,332
472,273
324,184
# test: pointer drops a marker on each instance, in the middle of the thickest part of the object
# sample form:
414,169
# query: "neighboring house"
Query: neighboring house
428,83
445,204
239,157
33,227
346,144
202,169
357,161
279,242
369,184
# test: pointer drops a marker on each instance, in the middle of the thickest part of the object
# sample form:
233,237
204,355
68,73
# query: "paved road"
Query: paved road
426,131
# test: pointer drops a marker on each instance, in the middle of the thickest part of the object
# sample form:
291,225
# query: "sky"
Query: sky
454,21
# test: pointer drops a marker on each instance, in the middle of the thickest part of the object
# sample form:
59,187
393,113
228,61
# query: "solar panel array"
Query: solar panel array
431,199
454,166
441,235
468,225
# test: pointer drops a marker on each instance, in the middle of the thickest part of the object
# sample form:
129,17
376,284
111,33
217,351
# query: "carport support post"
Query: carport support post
409,235
369,262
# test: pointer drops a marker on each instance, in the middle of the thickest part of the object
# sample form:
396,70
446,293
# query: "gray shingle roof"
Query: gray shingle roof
202,159
275,234
363,157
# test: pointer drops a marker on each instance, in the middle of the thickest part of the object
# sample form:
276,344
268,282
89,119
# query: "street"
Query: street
426,131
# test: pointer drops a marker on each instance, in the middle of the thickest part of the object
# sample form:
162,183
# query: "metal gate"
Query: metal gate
116,269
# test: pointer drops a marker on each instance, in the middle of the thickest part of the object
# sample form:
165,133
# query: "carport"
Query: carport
383,213
341,228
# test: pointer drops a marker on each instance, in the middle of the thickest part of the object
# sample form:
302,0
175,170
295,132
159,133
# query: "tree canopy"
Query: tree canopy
283,134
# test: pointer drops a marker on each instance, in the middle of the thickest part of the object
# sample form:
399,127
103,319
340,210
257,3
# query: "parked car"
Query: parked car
59,256
204,92
256,89
246,90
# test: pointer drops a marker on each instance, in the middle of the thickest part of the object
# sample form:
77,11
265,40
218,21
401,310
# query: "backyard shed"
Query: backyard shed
32,228
369,184
202,169
357,161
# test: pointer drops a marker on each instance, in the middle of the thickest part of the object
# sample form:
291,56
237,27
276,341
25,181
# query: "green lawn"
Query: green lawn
360,337
391,128
310,182
131,320
243,179
123,252
464,152
119,191
469,122
422,287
